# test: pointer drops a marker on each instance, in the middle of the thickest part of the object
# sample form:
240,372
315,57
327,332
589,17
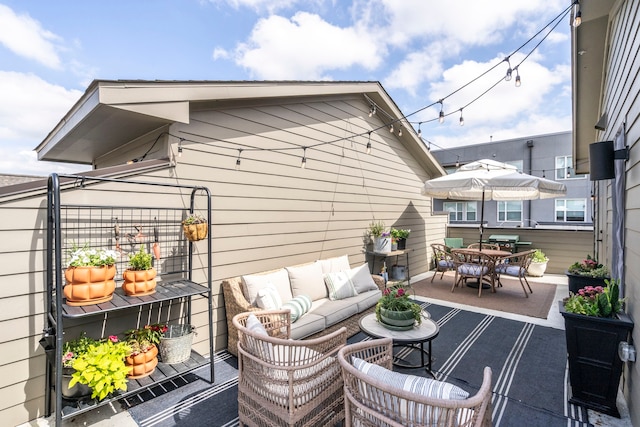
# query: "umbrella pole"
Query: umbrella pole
481,219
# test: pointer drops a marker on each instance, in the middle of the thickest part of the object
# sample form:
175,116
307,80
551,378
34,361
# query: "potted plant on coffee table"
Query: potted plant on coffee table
594,326
396,311
140,277
588,272
143,357
90,276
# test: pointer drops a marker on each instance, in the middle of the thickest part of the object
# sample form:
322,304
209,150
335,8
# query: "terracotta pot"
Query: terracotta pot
195,232
89,285
142,364
139,282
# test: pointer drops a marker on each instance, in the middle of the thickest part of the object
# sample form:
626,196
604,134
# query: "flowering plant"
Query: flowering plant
590,268
72,349
399,233
91,257
376,229
397,299
142,339
102,367
596,300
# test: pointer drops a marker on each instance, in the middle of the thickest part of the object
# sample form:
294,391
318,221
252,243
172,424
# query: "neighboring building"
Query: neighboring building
548,156
606,107
267,213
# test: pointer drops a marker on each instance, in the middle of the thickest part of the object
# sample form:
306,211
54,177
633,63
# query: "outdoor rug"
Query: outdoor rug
509,298
529,364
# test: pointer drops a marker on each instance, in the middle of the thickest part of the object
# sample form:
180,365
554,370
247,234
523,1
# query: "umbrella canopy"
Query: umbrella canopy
490,180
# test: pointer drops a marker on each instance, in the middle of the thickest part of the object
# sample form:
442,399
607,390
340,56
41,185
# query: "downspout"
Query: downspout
530,145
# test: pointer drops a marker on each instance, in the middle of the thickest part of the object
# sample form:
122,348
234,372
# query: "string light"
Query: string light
461,118
441,115
543,173
577,18
238,159
518,82
304,158
419,130
391,128
400,131
369,144
180,148
507,77
372,110
458,162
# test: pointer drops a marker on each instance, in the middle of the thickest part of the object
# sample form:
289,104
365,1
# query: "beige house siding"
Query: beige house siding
620,101
268,214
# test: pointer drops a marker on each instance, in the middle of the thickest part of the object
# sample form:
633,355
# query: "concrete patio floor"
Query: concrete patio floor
110,416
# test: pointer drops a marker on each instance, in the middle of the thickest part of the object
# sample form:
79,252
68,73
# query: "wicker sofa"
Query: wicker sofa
326,312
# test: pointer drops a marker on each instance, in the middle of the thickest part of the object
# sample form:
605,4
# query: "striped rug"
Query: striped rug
529,363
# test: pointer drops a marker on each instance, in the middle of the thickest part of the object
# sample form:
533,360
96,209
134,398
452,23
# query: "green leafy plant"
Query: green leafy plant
91,257
399,233
397,299
539,256
102,367
589,267
140,260
376,229
600,301
142,339
194,219
74,348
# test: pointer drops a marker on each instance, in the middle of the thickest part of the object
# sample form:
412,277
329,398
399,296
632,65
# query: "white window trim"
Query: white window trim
555,209
505,212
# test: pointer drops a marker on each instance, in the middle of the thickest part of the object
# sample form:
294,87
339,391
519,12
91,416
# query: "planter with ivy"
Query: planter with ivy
594,326
140,277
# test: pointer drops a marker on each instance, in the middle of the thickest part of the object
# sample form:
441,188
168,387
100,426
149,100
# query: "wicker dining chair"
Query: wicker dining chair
484,246
285,382
473,265
515,265
442,258
371,401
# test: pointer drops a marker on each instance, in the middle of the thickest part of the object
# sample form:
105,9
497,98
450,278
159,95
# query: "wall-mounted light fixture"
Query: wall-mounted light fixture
626,351
601,157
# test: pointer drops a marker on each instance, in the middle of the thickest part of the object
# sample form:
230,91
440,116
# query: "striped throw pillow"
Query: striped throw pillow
298,306
339,285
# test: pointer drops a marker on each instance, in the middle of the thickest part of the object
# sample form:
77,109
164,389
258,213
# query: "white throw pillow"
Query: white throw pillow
331,265
361,279
298,305
339,285
254,325
254,282
268,298
307,280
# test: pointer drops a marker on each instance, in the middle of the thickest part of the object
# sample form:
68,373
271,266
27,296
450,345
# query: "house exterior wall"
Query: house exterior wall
268,214
621,102
538,160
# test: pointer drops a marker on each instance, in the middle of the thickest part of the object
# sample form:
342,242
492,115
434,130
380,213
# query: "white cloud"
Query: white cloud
258,5
25,37
305,47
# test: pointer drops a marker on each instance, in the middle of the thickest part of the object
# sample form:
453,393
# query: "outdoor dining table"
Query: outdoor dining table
495,255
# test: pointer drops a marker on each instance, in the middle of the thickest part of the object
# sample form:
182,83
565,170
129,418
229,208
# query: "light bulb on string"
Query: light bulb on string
400,131
543,173
238,159
391,128
441,115
518,82
461,118
458,162
419,130
577,19
369,144
180,148
507,77
304,158
372,110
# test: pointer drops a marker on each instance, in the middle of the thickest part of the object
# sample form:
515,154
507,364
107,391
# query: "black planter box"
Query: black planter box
577,282
594,364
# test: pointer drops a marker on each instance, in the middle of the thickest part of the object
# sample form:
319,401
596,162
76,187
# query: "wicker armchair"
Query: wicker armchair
516,265
484,246
442,258
287,382
370,401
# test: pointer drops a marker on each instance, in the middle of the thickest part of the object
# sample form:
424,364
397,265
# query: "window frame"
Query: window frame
464,211
575,199
506,211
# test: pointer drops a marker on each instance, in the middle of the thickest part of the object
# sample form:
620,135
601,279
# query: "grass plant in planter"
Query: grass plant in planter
594,325
89,277
101,367
143,358
588,272
140,277
538,264
195,227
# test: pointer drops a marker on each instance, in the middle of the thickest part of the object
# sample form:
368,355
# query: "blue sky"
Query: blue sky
420,50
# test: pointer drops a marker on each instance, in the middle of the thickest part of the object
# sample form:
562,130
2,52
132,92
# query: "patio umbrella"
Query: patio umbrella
490,180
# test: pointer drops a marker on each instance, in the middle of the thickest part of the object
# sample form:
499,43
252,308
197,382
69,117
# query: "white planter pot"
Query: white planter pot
537,269
382,244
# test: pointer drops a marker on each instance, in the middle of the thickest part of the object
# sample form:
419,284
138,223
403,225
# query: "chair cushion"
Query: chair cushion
254,282
331,265
339,285
268,298
510,270
307,280
361,279
298,306
443,263
473,270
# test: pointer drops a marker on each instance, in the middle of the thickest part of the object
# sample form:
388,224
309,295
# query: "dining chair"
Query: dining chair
484,246
515,265
442,258
475,265
454,242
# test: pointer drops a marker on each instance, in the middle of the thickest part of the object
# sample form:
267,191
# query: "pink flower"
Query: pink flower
113,338
387,291
68,356
400,292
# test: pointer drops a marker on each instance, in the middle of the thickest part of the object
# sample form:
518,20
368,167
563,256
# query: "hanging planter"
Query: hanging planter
195,228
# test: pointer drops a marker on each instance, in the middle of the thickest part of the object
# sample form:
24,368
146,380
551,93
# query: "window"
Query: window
564,169
461,211
571,210
517,163
510,211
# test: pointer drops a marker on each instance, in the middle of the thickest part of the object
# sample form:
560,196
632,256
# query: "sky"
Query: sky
421,51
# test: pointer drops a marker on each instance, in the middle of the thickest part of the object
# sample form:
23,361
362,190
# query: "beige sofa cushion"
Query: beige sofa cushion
252,283
361,279
307,280
332,265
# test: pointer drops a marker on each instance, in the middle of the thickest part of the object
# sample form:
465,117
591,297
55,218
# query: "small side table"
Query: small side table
414,338
385,255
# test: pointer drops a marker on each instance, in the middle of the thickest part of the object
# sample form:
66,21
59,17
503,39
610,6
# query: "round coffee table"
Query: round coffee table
413,338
